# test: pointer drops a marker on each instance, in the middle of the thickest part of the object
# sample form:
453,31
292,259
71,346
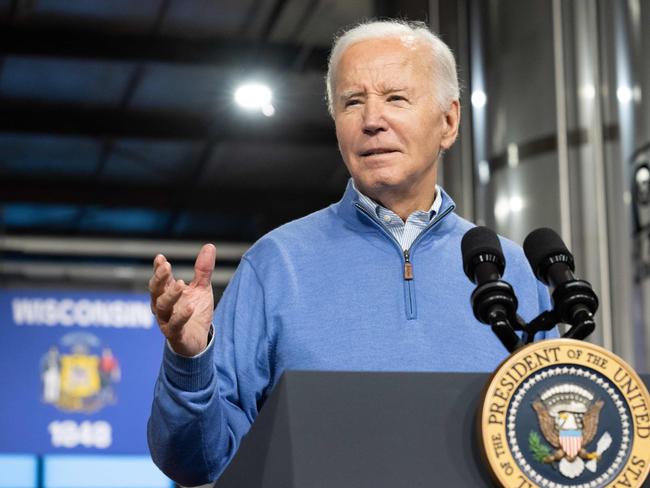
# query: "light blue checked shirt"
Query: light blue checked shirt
404,233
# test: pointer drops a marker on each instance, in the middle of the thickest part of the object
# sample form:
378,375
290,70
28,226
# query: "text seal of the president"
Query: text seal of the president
563,413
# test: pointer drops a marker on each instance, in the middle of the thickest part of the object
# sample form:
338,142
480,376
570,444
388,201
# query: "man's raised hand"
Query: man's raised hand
184,311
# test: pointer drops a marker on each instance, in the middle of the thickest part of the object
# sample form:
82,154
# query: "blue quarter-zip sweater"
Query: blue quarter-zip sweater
331,291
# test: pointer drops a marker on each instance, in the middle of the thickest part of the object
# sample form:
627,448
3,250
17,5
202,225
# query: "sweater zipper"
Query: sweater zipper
408,266
409,287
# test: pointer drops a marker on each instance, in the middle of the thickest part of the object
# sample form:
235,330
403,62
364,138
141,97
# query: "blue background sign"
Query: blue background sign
78,371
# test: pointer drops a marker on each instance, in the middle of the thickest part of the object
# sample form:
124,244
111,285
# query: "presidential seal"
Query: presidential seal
565,413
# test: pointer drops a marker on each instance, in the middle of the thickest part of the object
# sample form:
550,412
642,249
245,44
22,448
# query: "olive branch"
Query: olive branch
537,447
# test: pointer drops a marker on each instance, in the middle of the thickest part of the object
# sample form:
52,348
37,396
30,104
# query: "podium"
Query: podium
358,430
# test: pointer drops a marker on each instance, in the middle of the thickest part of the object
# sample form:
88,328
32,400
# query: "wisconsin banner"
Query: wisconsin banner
78,371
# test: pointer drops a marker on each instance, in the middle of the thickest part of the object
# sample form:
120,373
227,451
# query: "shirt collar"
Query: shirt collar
372,206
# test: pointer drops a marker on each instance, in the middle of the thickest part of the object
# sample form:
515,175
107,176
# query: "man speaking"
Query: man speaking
371,283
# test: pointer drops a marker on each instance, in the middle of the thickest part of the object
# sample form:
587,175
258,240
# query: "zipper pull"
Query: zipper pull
408,267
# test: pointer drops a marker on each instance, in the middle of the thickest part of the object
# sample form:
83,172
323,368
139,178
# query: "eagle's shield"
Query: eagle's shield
571,442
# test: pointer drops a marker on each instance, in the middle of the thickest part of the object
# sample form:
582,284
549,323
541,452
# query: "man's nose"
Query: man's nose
373,117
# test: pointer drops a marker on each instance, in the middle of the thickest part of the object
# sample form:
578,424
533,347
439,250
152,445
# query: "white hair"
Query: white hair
443,64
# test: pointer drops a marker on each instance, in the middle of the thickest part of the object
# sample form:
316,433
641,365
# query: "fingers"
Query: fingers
182,313
204,265
162,276
163,307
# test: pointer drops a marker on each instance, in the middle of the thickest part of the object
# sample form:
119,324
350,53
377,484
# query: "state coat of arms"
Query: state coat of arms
79,374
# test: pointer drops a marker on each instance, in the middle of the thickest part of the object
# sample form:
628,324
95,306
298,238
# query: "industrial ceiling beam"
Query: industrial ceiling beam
38,117
94,273
79,191
47,245
79,42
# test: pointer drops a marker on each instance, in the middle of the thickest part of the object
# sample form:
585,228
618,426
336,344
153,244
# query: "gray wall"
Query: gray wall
566,121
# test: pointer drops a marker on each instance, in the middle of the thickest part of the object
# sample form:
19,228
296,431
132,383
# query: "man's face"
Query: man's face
389,127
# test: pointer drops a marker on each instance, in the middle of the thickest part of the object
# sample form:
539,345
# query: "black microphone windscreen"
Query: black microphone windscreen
540,245
477,241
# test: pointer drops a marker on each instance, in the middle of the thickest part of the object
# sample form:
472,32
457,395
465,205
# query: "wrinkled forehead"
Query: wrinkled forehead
385,63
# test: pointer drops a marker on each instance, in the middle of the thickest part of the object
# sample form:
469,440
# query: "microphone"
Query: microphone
549,258
482,255
574,300
493,301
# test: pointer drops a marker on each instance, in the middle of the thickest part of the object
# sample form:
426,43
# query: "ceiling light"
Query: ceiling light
268,110
253,96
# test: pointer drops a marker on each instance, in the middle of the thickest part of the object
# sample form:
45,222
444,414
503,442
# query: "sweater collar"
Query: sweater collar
347,206
419,215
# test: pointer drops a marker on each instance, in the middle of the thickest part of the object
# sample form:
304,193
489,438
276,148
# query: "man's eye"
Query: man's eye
351,102
396,98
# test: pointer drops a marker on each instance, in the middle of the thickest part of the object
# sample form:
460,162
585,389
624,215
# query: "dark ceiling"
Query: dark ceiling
117,117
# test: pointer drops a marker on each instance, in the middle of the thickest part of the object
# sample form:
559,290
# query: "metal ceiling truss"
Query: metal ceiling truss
80,42
48,118
119,193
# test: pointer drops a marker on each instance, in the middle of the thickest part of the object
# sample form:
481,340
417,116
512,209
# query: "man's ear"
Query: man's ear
451,125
